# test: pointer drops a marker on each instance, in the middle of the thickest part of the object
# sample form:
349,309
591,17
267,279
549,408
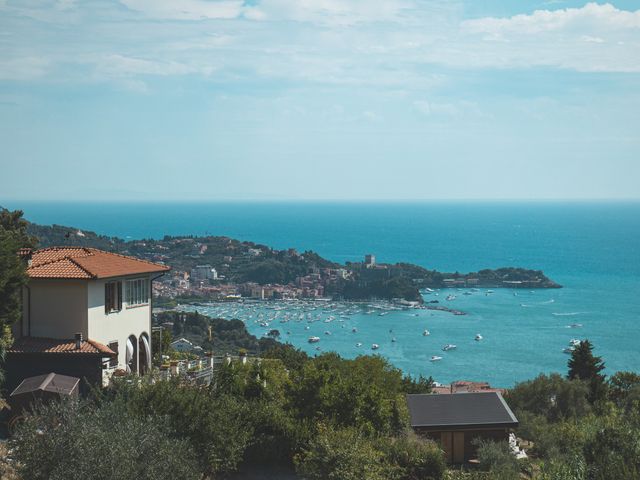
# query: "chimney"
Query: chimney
78,341
25,254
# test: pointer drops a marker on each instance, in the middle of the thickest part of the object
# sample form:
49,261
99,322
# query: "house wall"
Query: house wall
58,308
453,441
116,326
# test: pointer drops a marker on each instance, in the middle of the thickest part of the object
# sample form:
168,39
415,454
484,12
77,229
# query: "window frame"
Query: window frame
138,292
113,361
112,297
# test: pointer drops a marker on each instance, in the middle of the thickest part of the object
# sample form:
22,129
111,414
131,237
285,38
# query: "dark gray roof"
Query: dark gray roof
459,410
50,382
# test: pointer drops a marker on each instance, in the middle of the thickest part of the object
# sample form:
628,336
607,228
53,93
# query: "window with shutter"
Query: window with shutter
112,297
113,361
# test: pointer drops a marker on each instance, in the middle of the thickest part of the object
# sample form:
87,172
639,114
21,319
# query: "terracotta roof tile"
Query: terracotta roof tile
56,345
86,263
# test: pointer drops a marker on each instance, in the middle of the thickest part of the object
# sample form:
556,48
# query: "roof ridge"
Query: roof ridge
130,257
99,346
54,260
91,275
47,380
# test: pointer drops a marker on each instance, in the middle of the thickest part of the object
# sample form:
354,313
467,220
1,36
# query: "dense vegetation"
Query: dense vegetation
399,287
214,334
580,427
288,410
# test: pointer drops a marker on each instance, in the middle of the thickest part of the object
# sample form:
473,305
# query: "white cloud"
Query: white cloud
329,12
592,16
590,39
594,38
119,65
402,44
23,68
187,9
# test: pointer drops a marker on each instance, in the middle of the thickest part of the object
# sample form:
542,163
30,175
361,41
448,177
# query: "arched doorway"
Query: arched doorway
145,354
132,354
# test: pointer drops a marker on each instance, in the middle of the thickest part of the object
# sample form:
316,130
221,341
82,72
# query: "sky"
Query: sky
183,100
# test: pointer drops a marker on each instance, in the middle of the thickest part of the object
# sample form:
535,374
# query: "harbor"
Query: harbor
501,336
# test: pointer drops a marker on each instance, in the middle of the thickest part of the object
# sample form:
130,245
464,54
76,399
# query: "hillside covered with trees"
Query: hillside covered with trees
241,261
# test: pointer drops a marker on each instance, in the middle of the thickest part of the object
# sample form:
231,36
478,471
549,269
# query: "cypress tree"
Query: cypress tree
585,366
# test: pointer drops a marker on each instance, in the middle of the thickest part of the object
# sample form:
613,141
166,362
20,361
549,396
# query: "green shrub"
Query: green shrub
496,457
341,454
217,426
411,458
78,440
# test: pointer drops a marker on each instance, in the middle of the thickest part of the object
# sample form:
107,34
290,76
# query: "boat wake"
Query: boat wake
569,314
524,305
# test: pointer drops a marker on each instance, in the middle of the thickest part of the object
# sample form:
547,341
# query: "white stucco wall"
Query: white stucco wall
58,308
116,326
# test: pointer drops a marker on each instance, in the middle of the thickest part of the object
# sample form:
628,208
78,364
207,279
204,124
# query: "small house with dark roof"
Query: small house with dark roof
86,313
43,387
456,420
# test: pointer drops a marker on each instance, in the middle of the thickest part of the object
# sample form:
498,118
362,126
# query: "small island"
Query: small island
222,268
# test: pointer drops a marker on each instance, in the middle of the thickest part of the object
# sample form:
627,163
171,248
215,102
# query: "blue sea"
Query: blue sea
592,249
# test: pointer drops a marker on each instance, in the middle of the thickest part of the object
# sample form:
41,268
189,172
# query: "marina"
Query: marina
426,340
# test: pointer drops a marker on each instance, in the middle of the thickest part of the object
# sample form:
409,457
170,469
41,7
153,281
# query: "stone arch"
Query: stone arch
144,356
132,354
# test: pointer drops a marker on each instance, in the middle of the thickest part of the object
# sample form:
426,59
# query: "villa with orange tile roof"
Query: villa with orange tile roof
86,313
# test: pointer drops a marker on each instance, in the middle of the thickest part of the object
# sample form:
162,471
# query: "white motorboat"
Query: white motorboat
358,344
426,333
478,337
451,297
393,340
568,350
449,346
435,358
375,346
327,332
314,339
574,342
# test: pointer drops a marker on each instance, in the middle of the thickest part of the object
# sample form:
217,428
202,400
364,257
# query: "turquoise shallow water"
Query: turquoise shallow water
593,249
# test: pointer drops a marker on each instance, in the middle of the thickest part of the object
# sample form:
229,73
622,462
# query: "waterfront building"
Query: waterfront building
203,272
86,313
369,261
